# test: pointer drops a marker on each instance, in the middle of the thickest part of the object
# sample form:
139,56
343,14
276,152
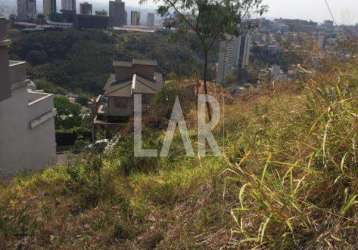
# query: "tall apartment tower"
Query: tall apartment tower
86,8
68,5
117,13
234,55
50,7
26,9
27,124
243,57
135,18
150,19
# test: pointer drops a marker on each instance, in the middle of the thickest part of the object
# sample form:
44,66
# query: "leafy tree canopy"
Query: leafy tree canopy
209,20
68,114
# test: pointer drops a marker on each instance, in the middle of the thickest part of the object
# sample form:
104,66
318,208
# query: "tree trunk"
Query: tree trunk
205,77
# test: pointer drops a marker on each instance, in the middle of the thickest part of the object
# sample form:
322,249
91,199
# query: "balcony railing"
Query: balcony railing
40,107
17,71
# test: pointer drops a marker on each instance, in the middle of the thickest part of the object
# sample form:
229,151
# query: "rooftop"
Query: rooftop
137,84
135,62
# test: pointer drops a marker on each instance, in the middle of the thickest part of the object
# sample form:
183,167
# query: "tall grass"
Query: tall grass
288,179
298,169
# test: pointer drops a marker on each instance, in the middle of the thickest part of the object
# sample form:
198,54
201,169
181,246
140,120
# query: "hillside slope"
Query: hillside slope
288,180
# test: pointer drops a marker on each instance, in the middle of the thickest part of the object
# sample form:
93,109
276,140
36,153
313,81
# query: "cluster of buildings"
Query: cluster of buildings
85,18
27,115
27,126
274,38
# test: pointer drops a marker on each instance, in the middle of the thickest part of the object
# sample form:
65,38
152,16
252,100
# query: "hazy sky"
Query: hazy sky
344,11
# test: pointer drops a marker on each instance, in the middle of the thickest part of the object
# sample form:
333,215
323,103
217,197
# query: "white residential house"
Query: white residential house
134,77
27,127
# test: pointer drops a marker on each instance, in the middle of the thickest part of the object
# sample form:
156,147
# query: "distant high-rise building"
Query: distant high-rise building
150,19
243,57
68,5
227,51
234,54
86,8
135,18
26,9
117,13
49,7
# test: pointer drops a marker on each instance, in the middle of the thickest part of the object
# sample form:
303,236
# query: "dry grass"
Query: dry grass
289,180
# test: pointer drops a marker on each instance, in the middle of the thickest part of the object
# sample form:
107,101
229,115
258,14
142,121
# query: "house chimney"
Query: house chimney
5,86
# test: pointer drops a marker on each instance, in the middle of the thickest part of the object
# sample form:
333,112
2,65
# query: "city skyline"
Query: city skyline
342,10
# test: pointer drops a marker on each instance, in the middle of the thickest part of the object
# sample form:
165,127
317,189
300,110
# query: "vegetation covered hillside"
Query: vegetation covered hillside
288,179
80,61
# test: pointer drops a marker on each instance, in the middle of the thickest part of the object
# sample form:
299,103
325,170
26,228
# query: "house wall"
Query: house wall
5,90
22,147
115,110
17,71
123,73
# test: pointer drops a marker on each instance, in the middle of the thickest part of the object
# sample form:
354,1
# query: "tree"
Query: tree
36,57
210,20
68,114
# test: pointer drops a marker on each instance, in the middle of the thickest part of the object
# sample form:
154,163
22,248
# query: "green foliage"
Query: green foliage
82,100
297,168
86,181
209,21
70,59
49,87
80,61
165,99
123,155
68,114
263,56
36,57
182,58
